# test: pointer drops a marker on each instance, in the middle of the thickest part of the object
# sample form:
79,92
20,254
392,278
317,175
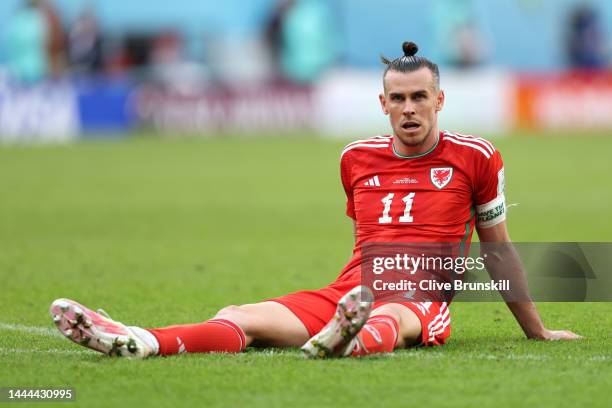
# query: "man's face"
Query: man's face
412,102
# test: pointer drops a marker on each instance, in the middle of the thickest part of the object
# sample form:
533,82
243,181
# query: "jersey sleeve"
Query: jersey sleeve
489,191
345,175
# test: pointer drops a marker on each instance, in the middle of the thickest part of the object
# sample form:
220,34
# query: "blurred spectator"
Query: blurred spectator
130,52
585,45
85,45
274,33
25,44
469,50
457,33
170,67
56,40
167,49
308,40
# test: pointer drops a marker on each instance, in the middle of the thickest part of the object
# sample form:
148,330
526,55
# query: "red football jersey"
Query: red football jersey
436,196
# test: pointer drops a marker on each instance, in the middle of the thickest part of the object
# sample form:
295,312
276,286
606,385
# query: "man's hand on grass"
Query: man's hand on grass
558,335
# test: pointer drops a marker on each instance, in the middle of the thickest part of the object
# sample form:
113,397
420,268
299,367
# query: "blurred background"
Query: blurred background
83,68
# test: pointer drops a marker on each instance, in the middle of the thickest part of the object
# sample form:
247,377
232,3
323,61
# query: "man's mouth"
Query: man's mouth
410,125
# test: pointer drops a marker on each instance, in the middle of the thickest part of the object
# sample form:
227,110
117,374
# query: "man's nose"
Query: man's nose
408,108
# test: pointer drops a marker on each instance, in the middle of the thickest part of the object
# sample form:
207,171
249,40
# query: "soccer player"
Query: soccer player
418,185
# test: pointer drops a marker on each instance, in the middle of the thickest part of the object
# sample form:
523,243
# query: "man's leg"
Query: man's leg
408,323
285,321
399,325
267,324
391,326
233,329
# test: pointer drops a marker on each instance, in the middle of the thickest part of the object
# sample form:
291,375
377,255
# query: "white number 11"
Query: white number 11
409,199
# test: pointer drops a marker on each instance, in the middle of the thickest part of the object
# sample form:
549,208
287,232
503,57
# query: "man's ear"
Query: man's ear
440,101
383,103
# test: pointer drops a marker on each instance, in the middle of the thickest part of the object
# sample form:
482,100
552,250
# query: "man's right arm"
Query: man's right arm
505,263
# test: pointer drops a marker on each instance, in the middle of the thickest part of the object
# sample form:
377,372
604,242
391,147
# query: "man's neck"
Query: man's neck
409,151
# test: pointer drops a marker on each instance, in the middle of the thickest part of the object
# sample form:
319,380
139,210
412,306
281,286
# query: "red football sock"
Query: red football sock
212,335
378,335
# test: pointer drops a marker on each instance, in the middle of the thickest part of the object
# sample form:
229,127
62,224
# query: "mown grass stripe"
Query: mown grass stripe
41,331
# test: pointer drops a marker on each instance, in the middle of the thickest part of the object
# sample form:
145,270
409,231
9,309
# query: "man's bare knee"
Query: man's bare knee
240,315
231,309
268,322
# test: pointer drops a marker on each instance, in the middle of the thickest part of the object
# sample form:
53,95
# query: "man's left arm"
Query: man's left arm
506,262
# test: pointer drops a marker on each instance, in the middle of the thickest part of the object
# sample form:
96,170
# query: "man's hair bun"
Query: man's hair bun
411,62
409,48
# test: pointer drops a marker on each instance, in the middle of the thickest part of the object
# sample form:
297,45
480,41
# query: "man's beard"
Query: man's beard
416,143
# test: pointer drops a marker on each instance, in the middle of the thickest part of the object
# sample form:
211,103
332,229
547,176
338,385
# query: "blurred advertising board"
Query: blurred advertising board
562,101
42,112
104,105
245,109
343,104
60,111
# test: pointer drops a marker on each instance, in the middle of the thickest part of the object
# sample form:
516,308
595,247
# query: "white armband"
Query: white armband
491,213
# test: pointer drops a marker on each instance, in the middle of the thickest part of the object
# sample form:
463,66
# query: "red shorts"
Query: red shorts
316,307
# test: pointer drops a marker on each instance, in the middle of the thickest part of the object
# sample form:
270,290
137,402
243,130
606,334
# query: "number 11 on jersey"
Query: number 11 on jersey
388,200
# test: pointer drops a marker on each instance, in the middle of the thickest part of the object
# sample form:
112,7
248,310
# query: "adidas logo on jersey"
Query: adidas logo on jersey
373,182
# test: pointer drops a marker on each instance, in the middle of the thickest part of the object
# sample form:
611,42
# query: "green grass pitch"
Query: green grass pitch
159,232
